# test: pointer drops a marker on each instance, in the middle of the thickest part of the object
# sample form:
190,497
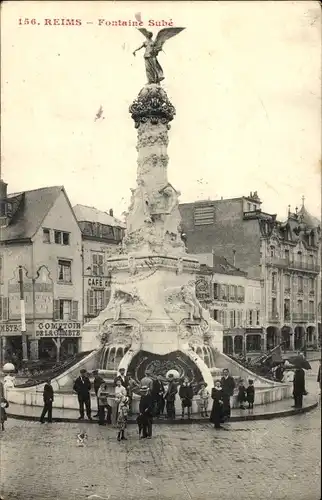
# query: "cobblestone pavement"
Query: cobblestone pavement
276,460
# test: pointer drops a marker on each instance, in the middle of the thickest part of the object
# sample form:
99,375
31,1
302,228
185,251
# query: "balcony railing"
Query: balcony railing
292,264
303,317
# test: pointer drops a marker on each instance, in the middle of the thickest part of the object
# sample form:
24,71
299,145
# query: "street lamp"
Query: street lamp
23,313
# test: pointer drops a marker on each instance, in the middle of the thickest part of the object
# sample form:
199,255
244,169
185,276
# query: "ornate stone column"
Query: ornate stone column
153,219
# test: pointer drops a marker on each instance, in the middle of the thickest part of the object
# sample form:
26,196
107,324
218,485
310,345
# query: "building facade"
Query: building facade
62,253
282,256
102,235
40,233
233,300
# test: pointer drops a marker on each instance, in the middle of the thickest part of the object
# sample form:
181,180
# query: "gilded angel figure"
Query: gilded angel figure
152,47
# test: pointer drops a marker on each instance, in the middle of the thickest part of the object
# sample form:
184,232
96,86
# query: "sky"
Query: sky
244,77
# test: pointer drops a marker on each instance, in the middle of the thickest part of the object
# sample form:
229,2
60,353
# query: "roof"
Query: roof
222,266
217,264
31,211
307,218
84,213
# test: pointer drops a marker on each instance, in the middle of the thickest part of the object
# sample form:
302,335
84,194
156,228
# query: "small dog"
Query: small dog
82,438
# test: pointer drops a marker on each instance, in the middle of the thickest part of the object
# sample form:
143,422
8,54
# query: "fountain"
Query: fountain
154,322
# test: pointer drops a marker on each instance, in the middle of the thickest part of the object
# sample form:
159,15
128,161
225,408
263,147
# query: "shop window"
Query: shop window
216,291
64,271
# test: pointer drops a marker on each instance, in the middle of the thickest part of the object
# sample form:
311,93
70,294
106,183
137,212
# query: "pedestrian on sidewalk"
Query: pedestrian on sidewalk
123,411
241,396
48,397
82,387
3,405
299,387
217,412
98,381
204,395
103,406
186,396
145,418
250,394
228,387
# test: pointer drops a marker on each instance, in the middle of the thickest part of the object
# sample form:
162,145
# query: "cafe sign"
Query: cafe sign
57,329
95,282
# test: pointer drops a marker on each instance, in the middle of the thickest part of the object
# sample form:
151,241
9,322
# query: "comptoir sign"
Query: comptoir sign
58,329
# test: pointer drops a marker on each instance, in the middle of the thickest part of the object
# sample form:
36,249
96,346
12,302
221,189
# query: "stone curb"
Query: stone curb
234,418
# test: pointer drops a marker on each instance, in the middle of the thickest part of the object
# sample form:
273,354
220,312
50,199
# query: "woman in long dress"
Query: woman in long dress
216,416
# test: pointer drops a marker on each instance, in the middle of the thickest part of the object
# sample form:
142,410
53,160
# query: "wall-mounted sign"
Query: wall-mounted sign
13,328
57,329
96,282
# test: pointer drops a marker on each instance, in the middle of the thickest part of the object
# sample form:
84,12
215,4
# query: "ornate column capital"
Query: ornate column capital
152,105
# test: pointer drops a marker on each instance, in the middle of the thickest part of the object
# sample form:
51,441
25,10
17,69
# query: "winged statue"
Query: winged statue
153,69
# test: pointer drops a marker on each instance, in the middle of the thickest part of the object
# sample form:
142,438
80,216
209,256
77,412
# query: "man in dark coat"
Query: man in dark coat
228,387
82,387
298,387
48,397
98,381
170,397
145,419
157,394
123,378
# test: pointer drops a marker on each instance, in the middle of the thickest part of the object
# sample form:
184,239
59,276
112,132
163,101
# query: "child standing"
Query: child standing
250,391
203,394
122,418
241,397
186,396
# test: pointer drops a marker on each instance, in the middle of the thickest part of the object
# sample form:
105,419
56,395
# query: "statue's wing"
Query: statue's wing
144,32
164,35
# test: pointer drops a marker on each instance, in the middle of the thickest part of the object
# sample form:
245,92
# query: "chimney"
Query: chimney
111,212
234,258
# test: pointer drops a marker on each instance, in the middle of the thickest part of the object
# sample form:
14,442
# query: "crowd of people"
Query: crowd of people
156,398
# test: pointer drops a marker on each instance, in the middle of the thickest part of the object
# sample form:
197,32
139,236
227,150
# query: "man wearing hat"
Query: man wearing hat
82,387
122,377
145,419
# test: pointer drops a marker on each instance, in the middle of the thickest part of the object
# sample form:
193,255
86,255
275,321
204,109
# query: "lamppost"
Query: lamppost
34,344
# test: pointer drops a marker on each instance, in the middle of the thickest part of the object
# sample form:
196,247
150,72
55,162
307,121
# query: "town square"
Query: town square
170,346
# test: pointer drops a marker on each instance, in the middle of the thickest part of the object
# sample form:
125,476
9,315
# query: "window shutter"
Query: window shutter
56,310
74,310
247,317
94,264
90,303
